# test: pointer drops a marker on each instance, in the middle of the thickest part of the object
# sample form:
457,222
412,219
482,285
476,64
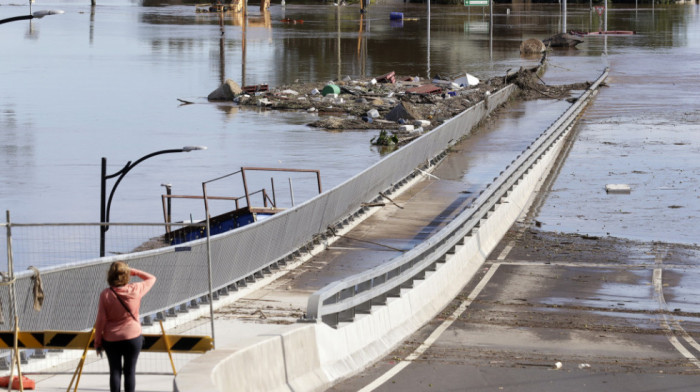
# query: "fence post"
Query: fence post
211,295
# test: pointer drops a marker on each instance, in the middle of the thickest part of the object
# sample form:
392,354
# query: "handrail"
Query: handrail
347,294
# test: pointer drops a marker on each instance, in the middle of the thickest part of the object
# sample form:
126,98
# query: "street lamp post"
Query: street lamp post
105,204
37,14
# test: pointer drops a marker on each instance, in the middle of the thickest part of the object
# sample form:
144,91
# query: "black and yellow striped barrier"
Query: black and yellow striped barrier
80,340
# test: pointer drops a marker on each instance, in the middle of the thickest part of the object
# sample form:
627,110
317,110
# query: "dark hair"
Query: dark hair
118,274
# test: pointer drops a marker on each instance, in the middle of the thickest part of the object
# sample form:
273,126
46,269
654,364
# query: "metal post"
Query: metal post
103,202
491,30
291,191
563,22
211,294
274,197
245,187
605,22
428,49
168,192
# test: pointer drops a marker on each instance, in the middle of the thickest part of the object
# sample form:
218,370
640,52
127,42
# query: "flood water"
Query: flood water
105,81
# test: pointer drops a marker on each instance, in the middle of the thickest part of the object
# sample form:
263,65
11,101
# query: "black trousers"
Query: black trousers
129,351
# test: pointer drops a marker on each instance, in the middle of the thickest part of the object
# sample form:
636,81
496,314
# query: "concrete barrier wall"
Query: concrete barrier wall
312,357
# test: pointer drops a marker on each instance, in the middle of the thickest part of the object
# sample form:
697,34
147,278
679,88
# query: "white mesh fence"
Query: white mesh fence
72,287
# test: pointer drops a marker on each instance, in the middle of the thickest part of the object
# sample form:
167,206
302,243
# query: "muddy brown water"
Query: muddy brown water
104,82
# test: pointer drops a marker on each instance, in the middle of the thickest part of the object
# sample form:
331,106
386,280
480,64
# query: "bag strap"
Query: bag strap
123,304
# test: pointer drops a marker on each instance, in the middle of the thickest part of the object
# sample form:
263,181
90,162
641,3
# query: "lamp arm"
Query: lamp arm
121,173
16,18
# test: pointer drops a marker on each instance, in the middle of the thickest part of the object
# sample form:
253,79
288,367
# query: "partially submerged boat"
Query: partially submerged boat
246,210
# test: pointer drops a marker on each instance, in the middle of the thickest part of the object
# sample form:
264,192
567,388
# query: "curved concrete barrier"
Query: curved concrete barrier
312,357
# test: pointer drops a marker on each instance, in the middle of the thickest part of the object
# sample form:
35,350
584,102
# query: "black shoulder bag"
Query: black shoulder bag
123,304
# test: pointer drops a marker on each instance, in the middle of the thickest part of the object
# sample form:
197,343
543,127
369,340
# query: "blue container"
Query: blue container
396,16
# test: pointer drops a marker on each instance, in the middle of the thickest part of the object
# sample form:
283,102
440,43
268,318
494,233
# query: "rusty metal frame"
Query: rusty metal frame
245,183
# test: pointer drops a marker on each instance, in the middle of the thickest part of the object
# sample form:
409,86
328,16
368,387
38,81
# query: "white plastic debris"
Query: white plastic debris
558,365
373,82
584,366
406,128
467,80
373,113
311,109
421,123
315,92
618,188
289,92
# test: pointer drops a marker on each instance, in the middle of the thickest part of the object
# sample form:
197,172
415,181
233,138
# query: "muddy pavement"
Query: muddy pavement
562,311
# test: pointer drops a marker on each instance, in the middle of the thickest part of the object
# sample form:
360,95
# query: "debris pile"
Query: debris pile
406,106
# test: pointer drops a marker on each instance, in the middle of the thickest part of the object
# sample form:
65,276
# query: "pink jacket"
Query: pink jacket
114,323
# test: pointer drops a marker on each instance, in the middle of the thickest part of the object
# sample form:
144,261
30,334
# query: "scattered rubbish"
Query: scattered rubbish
264,102
403,111
387,78
367,104
406,128
584,366
467,81
618,189
330,89
255,88
558,365
425,89
346,90
396,15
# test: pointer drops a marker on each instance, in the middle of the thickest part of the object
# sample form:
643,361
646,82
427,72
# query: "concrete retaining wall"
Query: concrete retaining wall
312,357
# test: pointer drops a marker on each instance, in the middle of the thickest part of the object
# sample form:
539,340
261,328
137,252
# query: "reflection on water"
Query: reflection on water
104,81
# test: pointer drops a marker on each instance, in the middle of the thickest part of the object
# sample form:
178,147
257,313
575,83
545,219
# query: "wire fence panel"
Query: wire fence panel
72,287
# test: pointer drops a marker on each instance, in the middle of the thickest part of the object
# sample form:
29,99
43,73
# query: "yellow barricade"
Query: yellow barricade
80,340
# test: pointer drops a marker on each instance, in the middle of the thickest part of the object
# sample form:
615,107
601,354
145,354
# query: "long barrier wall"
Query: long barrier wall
72,289
312,357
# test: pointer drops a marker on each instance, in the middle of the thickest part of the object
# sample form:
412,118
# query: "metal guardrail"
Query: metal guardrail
341,300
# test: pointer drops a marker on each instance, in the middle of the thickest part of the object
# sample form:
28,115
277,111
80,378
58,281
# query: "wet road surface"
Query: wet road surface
607,310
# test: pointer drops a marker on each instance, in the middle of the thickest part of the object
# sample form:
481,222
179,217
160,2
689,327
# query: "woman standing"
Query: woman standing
117,328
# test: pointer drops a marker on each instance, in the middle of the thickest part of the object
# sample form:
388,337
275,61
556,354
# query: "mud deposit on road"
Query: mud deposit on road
574,299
